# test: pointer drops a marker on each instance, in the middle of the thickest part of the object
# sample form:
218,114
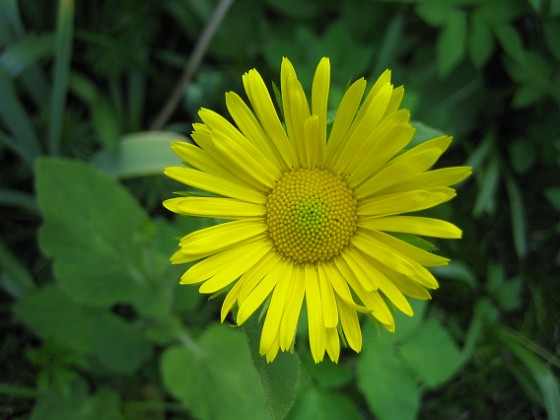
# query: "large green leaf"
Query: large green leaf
324,405
105,337
431,353
78,404
279,378
389,389
96,232
215,377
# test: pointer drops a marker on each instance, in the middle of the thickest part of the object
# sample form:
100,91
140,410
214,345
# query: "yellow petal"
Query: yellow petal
320,97
343,120
233,271
245,160
248,252
362,127
379,251
252,278
395,101
437,178
317,333
401,168
203,159
371,300
389,289
251,129
412,224
268,118
407,286
273,351
230,300
215,184
388,138
408,251
216,207
333,344
255,299
408,165
293,308
296,113
275,313
356,264
350,325
207,241
330,313
405,202
287,74
314,147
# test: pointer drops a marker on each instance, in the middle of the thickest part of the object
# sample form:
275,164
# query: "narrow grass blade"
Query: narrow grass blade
63,50
11,26
517,216
16,279
20,56
18,199
16,119
540,373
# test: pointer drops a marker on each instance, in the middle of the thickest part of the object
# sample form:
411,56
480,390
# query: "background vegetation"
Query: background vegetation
94,324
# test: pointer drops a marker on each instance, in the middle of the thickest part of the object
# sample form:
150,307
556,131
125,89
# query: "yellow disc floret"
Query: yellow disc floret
311,215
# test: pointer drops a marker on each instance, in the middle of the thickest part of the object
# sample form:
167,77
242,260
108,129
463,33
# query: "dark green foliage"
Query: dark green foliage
95,325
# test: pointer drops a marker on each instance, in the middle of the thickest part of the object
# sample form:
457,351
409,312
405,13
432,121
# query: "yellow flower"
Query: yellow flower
314,211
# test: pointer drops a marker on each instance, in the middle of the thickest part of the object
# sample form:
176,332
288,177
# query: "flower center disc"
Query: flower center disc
311,215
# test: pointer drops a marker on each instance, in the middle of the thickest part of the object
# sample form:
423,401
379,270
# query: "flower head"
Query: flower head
316,214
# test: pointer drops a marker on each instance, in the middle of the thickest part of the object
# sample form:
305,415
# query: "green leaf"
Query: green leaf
94,230
551,29
15,117
451,43
63,51
116,343
327,375
78,404
481,42
215,378
554,8
457,270
389,389
389,49
324,405
522,155
552,194
517,209
431,353
104,118
508,296
279,378
20,56
510,40
489,178
141,154
294,8
544,378
435,12
305,49
15,278
423,133
11,26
